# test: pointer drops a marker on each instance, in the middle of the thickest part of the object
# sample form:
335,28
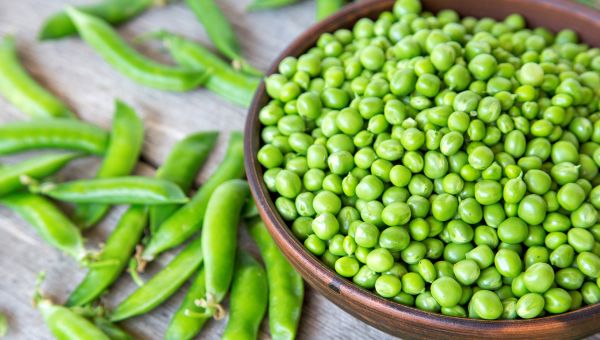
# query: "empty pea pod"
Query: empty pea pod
113,257
234,86
115,12
181,167
162,285
121,157
220,32
248,299
189,319
257,5
17,86
11,177
326,8
57,133
219,241
186,221
126,60
286,288
48,221
116,190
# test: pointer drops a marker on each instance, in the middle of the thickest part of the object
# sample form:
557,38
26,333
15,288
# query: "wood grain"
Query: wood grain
72,71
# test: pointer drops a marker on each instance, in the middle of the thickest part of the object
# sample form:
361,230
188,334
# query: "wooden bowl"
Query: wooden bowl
386,315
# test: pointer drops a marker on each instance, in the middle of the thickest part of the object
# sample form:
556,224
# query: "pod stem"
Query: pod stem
212,308
133,272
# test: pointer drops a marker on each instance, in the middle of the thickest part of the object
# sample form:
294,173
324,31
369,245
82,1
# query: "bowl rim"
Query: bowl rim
284,237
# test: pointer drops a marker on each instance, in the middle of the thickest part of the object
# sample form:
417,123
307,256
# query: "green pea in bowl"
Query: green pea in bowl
503,187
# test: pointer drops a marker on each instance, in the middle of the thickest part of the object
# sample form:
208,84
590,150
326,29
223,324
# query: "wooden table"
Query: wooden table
74,72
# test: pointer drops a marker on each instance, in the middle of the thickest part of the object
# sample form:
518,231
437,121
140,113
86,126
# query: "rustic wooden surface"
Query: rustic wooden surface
72,70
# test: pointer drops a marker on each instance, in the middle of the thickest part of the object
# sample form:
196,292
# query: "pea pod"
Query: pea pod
117,190
248,299
220,32
189,319
17,86
121,157
66,324
257,5
126,60
188,219
181,168
219,240
111,330
3,325
162,285
48,221
36,167
113,258
234,86
286,288
115,12
57,133
326,8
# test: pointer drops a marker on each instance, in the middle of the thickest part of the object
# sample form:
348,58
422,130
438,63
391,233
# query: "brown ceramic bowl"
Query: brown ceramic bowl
386,315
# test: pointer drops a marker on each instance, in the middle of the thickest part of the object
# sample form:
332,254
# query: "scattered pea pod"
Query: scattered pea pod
66,324
48,221
286,288
115,51
116,190
189,319
248,299
181,167
234,86
326,8
121,157
219,240
258,5
63,322
220,32
113,257
115,12
57,133
188,219
37,167
3,325
17,86
162,285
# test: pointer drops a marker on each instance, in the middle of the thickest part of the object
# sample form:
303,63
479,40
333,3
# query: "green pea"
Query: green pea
412,283
589,264
570,196
413,253
530,305
508,263
466,271
427,270
532,209
538,278
347,266
487,305
366,235
388,286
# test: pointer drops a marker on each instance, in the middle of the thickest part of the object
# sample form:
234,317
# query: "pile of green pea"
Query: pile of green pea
444,163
